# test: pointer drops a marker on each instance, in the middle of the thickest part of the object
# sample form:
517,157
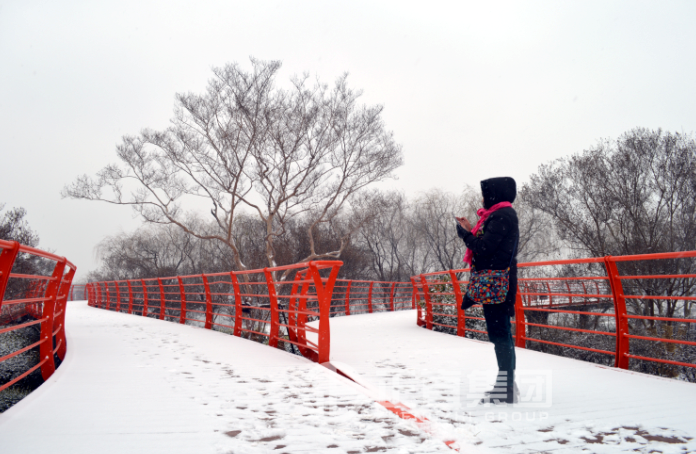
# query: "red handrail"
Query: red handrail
438,293
253,304
227,297
43,297
352,297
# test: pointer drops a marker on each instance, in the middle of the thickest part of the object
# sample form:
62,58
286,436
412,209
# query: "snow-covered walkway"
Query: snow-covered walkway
138,385
565,405
135,385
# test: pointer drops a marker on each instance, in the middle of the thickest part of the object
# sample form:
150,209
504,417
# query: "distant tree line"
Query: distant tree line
399,238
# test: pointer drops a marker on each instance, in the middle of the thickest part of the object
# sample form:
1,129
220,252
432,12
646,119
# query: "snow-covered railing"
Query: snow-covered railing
352,297
253,304
586,305
34,287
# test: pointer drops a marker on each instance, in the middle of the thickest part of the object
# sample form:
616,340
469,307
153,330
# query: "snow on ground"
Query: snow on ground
565,405
135,385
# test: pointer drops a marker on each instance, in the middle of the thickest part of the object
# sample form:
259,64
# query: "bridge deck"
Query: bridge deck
565,405
130,384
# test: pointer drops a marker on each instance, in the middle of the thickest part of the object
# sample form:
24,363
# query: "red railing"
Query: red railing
605,304
78,292
39,289
352,297
252,304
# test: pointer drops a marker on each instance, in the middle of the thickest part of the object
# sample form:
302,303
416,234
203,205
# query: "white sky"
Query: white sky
471,89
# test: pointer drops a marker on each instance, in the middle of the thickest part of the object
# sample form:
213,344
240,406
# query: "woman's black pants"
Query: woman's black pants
499,332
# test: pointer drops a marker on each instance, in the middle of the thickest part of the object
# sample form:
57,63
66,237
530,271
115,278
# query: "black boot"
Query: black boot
499,396
504,391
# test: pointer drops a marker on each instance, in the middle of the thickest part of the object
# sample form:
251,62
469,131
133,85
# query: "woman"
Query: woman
492,245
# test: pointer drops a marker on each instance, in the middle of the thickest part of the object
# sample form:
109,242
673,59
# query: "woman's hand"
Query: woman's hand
464,222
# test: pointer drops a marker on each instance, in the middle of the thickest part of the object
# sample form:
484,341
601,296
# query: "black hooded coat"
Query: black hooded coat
496,248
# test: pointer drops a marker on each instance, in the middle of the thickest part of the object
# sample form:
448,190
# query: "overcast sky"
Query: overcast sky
471,89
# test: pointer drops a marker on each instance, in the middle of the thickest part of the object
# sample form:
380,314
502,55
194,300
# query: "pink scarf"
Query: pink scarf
483,215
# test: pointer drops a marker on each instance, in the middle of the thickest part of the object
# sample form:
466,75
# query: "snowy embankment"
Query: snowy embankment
565,405
136,385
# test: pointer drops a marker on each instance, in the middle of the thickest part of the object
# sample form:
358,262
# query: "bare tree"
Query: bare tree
151,251
14,227
433,220
244,143
387,237
635,195
538,238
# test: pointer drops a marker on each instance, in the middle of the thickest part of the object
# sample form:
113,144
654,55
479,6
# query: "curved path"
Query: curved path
135,385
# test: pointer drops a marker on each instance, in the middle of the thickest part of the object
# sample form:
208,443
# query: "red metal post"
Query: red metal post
145,308
162,299
108,296
208,304
324,294
299,318
413,294
348,297
59,319
369,298
182,301
548,287
520,323
570,297
7,258
391,297
49,305
130,297
97,295
428,304
292,307
237,305
275,327
584,290
622,342
461,315
414,298
118,296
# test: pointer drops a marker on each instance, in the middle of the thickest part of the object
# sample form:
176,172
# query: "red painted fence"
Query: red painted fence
576,309
34,283
352,297
78,292
551,305
252,304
